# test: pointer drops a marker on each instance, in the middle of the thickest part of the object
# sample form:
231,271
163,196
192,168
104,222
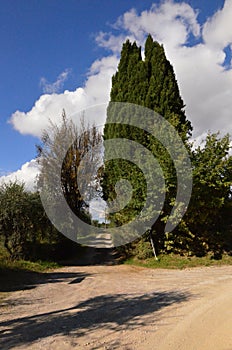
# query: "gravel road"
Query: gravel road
121,307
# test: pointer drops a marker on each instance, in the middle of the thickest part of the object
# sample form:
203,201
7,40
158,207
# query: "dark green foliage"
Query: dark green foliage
208,214
207,225
25,230
150,83
15,218
23,222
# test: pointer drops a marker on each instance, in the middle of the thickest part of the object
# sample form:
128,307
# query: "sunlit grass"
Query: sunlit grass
38,266
173,261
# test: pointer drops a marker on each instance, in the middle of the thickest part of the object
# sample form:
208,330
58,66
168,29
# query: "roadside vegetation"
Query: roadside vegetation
175,261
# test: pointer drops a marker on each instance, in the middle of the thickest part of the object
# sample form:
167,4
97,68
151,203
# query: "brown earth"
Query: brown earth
121,307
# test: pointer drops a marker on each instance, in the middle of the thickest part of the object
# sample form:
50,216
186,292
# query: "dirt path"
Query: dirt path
121,307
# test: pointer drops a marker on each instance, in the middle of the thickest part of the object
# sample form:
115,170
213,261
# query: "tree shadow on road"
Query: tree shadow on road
13,280
115,312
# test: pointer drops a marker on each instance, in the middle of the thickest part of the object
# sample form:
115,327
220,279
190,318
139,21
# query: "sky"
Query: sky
57,55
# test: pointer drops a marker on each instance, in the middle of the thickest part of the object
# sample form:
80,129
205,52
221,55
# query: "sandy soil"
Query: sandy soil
121,307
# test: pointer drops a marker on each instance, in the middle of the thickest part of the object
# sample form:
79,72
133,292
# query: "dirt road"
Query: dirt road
121,307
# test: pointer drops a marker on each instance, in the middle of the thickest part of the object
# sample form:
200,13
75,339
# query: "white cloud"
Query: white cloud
49,106
217,31
51,88
205,84
169,23
27,175
109,41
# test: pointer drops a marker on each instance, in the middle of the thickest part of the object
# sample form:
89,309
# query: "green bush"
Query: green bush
143,250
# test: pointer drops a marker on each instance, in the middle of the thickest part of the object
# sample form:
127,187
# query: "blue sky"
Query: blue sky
48,47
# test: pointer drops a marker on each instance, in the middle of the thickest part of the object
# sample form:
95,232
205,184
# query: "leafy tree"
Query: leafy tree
24,226
42,232
63,148
207,215
16,219
150,83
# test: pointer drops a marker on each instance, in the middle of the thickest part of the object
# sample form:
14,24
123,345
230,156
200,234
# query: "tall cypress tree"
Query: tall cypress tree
150,83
